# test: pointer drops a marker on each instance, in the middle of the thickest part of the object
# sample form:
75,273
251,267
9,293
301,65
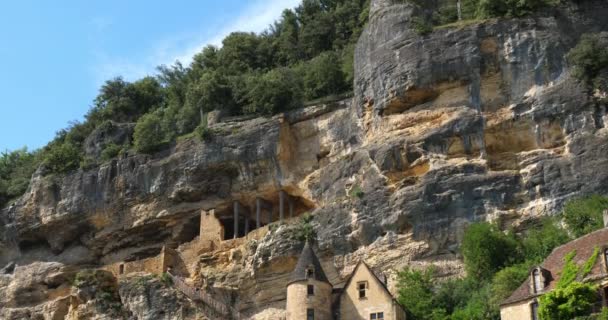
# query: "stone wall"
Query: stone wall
298,300
519,311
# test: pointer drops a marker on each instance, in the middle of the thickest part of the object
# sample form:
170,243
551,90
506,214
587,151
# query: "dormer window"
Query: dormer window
537,281
310,272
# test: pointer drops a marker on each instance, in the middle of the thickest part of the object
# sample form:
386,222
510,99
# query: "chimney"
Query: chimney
605,215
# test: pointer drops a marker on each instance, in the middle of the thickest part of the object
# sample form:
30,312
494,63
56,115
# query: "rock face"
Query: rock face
476,122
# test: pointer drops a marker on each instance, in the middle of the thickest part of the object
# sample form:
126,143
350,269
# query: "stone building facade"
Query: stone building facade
310,296
524,302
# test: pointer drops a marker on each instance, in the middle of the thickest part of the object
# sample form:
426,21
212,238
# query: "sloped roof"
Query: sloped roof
376,277
308,259
584,247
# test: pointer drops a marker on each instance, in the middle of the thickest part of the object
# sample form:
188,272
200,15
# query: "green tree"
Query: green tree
416,295
276,91
486,249
148,136
16,169
590,60
538,242
239,52
323,76
507,280
584,215
61,157
287,41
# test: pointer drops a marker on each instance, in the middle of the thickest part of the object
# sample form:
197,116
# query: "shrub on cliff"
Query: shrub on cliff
276,91
61,157
148,136
323,76
16,169
584,215
590,60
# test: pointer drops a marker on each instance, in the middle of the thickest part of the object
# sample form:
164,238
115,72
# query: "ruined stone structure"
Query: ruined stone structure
311,296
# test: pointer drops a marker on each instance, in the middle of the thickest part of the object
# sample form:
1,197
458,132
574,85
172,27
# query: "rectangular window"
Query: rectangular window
310,314
534,308
311,290
121,269
362,288
376,316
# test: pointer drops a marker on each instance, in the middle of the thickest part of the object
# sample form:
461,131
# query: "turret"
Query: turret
308,291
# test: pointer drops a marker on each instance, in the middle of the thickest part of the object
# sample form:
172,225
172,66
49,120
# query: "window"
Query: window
606,258
538,287
311,290
362,288
310,314
310,272
376,316
534,310
121,269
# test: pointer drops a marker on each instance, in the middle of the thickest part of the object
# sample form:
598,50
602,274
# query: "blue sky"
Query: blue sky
54,55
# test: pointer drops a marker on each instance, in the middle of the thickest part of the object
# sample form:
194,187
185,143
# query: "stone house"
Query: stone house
310,296
523,302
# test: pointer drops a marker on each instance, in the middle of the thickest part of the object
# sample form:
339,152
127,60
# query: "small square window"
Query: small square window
310,273
310,314
311,290
376,316
362,288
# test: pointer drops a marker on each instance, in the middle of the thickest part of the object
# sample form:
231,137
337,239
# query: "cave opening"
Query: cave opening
189,230
228,224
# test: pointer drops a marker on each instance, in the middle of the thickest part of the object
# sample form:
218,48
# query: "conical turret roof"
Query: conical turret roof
308,261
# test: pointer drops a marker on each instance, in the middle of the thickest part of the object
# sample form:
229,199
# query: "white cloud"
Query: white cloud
255,18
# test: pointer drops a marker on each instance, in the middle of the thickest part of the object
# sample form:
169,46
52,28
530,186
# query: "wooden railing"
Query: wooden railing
200,295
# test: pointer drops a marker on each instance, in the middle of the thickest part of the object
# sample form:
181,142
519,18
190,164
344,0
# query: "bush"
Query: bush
486,249
148,136
574,300
323,76
16,169
305,230
585,215
589,59
62,157
110,151
276,91
422,26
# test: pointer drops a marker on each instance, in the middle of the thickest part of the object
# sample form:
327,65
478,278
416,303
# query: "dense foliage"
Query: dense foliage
16,169
438,13
306,55
568,302
590,61
585,214
497,263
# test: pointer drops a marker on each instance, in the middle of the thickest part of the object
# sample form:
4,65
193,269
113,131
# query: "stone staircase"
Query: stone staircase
213,308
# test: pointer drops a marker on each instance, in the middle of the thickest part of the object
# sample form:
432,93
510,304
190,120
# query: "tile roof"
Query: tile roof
584,247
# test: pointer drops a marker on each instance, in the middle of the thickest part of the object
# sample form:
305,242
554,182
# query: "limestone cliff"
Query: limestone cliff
476,122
